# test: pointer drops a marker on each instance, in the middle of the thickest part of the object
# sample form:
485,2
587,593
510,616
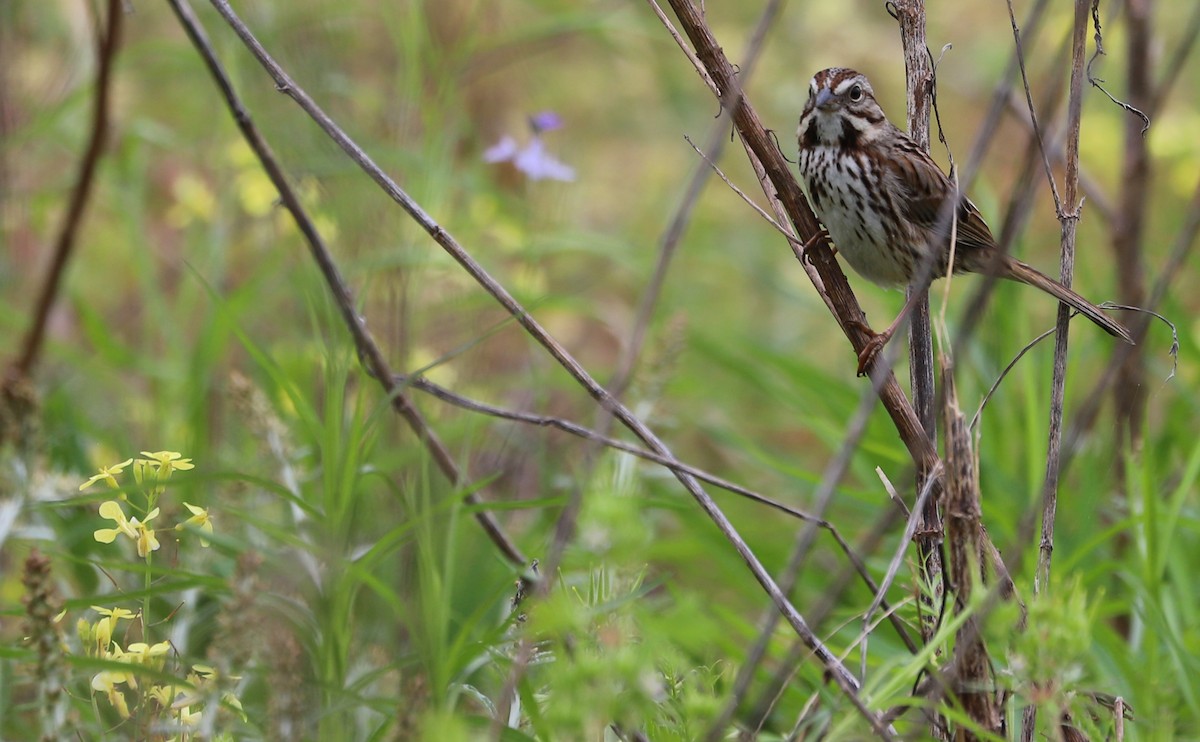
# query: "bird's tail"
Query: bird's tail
1026,274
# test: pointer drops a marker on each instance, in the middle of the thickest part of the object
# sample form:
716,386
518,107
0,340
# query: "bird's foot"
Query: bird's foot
876,341
822,234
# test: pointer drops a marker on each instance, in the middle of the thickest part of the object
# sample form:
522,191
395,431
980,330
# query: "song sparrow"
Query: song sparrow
880,197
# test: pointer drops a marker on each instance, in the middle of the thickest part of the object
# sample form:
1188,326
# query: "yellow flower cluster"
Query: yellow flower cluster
179,700
131,527
121,677
97,638
153,471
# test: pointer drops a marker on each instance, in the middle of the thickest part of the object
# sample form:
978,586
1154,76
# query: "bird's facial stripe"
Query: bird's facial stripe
843,87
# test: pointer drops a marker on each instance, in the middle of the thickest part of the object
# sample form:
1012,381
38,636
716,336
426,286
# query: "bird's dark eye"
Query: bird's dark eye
856,93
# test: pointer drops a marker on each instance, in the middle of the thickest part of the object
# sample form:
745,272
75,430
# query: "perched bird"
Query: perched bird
881,198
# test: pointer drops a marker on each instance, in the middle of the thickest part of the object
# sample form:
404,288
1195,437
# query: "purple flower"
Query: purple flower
533,159
545,121
501,151
539,164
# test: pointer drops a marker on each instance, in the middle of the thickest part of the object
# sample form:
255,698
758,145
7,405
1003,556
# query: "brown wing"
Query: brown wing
925,189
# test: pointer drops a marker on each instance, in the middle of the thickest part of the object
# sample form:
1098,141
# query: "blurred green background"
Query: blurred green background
193,320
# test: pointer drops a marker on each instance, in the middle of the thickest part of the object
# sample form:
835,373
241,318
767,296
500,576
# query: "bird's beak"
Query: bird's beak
825,99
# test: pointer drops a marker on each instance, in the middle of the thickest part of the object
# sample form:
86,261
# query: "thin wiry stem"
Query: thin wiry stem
831,477
370,353
107,42
715,143
564,528
1070,221
586,433
1170,75
1037,129
284,83
1133,210
819,262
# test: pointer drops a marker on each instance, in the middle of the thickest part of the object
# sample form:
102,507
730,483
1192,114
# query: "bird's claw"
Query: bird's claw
871,351
872,348
822,234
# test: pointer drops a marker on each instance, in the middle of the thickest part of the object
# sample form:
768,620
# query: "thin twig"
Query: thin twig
1069,221
835,290
285,84
1011,365
687,51
830,478
910,528
1000,95
580,431
107,42
1162,91
1139,62
1098,201
1037,130
742,194
370,353
715,144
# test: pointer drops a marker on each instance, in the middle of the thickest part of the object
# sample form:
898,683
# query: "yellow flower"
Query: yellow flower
194,201
108,474
161,464
146,540
189,719
232,701
101,633
148,655
111,510
131,527
164,695
200,519
115,613
168,461
107,682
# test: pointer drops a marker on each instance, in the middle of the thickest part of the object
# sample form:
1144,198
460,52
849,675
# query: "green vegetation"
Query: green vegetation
316,574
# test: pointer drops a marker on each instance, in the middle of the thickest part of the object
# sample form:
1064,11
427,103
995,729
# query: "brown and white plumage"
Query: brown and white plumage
881,197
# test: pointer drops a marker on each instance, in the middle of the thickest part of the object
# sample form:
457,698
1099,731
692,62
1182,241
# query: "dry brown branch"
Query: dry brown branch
285,84
369,352
107,42
836,290
1098,202
1069,219
963,531
1172,270
1162,90
1133,202
830,478
910,14
575,429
